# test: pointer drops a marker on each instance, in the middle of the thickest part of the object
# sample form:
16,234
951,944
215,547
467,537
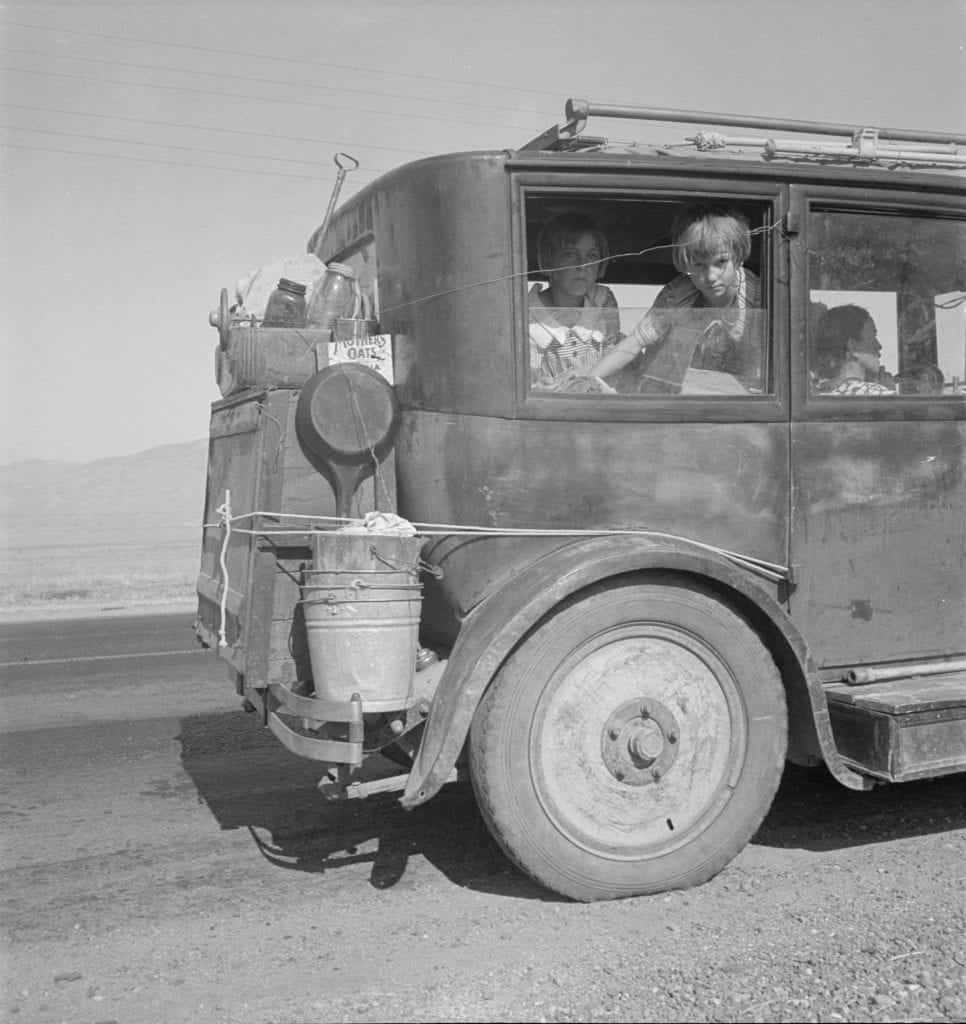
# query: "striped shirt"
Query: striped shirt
557,347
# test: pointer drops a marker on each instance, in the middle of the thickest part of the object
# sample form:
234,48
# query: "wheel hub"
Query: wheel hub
639,742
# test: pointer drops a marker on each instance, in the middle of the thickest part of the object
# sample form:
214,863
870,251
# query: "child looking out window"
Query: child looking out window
573,320
710,245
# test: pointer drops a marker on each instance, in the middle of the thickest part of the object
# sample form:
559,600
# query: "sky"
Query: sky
153,153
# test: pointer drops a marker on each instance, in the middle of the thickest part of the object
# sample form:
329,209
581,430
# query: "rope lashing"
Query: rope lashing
772,571
225,519
710,140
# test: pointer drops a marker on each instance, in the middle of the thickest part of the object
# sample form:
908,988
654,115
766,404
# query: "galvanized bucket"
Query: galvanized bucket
362,600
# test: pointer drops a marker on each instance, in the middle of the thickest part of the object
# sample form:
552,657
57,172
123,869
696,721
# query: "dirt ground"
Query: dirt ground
185,870
164,861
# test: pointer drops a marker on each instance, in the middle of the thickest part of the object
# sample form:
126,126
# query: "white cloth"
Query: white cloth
381,522
252,291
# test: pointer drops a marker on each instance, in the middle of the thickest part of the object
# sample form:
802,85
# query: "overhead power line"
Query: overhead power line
167,163
60,30
287,100
341,144
287,82
374,171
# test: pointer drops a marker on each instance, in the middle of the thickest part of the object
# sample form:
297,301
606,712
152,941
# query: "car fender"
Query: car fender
494,627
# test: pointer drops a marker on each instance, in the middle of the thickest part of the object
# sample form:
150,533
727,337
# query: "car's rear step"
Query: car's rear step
903,729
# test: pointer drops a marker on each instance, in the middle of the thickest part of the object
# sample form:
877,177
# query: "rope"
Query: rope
773,571
224,511
711,140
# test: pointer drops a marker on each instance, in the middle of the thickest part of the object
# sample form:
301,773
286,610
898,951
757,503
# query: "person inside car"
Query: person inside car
574,320
846,353
710,243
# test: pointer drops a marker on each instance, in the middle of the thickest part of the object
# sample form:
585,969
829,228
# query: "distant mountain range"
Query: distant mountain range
151,497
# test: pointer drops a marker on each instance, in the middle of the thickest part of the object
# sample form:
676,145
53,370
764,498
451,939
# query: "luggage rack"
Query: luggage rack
865,145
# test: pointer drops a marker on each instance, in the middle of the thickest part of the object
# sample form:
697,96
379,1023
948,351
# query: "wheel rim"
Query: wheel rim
637,741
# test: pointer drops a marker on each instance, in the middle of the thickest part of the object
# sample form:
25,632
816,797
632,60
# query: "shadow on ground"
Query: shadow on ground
812,811
249,780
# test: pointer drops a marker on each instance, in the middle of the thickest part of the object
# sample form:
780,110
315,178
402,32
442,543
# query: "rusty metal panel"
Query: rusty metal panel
443,250
721,484
878,539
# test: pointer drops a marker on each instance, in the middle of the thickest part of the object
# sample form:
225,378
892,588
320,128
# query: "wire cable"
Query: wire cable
165,163
375,171
288,83
525,273
60,30
287,100
341,144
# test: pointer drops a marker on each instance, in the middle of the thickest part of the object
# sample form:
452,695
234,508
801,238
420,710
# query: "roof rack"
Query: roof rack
864,146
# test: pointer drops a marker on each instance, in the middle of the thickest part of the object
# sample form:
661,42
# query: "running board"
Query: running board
903,729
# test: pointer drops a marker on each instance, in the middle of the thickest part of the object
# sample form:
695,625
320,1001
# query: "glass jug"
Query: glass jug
286,305
336,295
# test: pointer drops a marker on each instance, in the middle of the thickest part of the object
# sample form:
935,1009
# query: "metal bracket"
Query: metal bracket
866,142
562,136
318,710
791,226
347,752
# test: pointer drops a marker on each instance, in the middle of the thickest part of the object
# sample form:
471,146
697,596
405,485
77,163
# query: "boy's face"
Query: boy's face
577,268
715,275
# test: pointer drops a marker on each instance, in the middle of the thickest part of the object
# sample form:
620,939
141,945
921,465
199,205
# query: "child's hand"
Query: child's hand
574,383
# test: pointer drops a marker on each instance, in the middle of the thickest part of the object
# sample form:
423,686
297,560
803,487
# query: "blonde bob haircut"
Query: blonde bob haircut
704,229
565,228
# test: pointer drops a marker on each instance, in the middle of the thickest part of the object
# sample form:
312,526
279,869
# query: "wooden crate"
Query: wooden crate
904,729
255,455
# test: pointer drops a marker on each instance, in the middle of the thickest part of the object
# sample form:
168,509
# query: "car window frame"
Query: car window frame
586,183
867,199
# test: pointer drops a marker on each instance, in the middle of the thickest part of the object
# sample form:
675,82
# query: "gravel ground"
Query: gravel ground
845,907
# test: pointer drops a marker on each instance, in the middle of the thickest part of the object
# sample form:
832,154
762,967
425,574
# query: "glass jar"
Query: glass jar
286,305
336,295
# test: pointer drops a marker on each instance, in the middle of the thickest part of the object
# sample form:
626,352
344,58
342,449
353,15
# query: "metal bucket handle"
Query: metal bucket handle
395,566
420,565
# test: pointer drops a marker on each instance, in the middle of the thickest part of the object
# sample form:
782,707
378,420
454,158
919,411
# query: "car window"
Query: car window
887,305
610,311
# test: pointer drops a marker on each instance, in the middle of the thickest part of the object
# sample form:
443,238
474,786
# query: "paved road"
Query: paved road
68,672
165,860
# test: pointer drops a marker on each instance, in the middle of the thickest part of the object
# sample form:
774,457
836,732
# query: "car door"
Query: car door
878,470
